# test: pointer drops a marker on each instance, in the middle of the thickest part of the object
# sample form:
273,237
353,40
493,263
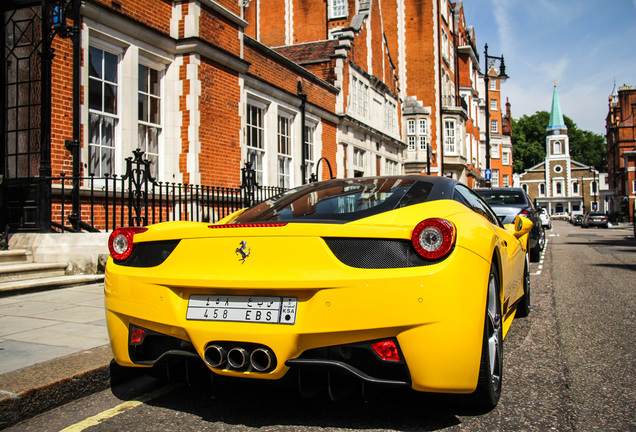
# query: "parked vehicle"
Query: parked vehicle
546,219
560,216
596,219
576,216
405,281
576,219
508,203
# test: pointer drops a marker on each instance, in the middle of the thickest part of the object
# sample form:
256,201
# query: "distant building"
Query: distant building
620,125
560,184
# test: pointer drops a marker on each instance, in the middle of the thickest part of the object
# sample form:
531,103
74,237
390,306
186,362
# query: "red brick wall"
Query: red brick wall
219,31
61,106
329,148
310,18
220,127
271,22
153,13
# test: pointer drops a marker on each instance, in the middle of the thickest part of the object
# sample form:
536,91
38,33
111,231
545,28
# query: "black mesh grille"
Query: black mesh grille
150,254
370,253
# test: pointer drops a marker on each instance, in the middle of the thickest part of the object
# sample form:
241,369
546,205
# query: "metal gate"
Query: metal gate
20,125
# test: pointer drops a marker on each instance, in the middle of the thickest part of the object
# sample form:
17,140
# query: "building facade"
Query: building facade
205,88
620,137
560,184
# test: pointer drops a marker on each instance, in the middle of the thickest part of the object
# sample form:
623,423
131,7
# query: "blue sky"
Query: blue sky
583,44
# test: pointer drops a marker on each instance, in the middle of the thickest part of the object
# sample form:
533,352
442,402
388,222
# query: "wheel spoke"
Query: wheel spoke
494,333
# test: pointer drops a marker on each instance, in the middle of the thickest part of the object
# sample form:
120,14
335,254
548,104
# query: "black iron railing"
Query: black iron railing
136,199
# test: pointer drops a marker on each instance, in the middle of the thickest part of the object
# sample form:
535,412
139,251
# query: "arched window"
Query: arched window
542,189
559,189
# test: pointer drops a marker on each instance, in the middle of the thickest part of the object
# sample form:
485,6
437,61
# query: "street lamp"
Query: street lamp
502,78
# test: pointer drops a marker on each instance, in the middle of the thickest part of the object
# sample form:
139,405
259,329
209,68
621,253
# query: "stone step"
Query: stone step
42,284
17,256
20,272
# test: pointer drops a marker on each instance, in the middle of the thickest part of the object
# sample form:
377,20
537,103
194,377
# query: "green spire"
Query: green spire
556,116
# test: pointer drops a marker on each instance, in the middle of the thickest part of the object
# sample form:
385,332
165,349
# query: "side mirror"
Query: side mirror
522,226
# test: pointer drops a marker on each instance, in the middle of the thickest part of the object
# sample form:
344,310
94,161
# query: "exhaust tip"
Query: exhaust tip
261,359
237,358
215,356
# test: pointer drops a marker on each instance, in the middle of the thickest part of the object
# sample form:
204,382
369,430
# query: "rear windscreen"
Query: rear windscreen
339,200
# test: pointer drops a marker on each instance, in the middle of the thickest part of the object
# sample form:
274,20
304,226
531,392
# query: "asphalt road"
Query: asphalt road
569,366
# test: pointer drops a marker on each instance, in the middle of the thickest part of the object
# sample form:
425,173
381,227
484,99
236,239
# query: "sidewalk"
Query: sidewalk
53,349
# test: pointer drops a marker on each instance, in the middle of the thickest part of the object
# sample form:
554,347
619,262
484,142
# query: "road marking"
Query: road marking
119,409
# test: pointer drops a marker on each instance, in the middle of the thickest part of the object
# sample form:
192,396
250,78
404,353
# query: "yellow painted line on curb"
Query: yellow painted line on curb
119,409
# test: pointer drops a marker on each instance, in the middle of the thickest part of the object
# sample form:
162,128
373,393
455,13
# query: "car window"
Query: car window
344,200
503,197
471,200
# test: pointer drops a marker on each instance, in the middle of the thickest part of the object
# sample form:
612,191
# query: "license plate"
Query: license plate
273,310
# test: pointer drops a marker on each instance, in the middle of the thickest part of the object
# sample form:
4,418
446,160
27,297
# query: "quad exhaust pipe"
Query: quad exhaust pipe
259,359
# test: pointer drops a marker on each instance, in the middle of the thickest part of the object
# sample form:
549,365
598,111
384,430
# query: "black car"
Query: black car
507,203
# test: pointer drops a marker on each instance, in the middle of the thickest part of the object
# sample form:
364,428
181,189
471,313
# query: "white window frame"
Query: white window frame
450,142
494,126
358,159
391,167
558,147
411,142
116,148
494,151
310,150
337,9
495,178
505,158
148,125
354,94
284,149
542,191
410,128
506,180
493,105
256,154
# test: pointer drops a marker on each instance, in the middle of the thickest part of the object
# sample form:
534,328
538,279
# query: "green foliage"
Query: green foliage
528,143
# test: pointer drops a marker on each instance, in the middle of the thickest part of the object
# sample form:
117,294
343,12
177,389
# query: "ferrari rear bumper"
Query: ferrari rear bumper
435,314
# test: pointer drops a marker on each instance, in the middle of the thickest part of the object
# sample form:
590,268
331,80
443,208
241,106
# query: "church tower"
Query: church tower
557,164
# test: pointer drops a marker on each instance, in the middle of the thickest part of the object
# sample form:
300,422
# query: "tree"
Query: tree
528,143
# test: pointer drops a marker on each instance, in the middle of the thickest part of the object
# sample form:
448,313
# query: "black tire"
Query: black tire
488,391
535,252
523,308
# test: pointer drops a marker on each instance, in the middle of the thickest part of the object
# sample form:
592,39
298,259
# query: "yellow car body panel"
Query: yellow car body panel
436,312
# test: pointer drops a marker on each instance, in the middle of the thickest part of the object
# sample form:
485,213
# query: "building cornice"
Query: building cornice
195,45
225,13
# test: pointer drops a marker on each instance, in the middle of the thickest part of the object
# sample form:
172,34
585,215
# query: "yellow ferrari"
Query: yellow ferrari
401,281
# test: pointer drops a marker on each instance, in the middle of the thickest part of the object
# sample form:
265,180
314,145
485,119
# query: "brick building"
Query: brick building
202,87
560,184
343,44
620,125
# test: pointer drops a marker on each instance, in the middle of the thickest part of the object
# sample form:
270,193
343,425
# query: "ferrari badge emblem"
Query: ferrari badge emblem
243,250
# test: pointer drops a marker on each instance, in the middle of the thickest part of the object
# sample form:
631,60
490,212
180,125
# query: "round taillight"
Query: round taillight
120,242
433,238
